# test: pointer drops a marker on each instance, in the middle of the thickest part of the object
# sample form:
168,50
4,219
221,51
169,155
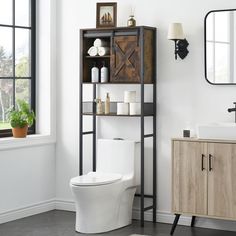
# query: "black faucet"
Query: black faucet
233,110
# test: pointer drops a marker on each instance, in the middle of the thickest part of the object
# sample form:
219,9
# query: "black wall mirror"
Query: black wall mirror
220,46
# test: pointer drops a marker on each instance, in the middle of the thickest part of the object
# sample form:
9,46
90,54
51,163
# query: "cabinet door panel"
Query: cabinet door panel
125,60
189,181
222,181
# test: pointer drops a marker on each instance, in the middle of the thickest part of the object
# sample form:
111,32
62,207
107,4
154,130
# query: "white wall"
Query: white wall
183,94
27,177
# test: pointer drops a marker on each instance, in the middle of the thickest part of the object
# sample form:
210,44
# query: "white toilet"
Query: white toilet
104,198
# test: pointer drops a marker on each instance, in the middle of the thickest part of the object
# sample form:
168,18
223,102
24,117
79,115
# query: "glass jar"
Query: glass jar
131,21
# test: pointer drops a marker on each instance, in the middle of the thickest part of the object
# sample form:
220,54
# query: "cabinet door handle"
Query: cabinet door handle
210,162
203,156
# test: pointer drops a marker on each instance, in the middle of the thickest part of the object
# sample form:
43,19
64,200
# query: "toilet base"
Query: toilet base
104,208
100,230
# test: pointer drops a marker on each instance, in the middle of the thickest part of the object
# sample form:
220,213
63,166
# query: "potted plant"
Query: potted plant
20,119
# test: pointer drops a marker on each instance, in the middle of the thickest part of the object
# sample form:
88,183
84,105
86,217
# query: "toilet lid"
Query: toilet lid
95,178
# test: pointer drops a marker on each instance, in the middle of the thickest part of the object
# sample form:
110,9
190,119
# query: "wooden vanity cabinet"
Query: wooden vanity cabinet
204,178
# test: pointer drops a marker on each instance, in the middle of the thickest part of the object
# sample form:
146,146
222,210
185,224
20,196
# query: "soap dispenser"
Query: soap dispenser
104,73
94,74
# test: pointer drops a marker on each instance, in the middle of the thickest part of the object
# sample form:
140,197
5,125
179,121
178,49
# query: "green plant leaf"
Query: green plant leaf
21,116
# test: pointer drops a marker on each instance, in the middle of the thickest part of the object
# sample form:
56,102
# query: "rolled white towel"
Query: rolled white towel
102,51
93,51
99,43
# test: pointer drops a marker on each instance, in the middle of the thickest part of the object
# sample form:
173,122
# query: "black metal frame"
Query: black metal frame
32,78
138,31
205,52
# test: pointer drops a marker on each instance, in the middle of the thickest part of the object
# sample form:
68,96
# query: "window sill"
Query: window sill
29,141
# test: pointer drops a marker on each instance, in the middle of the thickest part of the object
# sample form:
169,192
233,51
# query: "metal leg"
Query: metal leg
154,138
81,132
193,221
94,126
142,128
174,223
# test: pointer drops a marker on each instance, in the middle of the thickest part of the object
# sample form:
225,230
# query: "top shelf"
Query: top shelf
109,31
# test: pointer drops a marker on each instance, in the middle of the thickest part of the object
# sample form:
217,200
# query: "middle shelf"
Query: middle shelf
148,109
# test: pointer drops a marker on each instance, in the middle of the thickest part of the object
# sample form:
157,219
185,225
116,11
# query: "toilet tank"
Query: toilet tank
118,156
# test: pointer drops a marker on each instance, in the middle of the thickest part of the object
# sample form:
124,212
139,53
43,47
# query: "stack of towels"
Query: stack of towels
99,48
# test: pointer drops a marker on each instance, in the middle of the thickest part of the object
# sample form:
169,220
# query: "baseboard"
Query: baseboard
68,205
64,205
26,211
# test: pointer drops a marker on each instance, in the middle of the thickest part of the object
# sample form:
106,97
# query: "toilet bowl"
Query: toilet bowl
104,198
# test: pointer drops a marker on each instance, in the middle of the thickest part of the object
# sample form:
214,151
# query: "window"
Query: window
17,57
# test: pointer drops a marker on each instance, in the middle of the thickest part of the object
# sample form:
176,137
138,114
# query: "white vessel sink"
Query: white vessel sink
217,131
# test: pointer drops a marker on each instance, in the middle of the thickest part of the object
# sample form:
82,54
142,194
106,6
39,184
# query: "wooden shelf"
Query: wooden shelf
94,57
88,109
113,114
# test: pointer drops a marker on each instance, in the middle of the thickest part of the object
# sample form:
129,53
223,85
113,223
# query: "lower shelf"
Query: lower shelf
113,114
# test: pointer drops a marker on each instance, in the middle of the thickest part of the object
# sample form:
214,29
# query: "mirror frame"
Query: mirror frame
205,61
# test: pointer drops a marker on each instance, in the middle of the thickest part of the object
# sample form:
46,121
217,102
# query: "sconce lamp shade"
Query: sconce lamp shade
176,34
175,31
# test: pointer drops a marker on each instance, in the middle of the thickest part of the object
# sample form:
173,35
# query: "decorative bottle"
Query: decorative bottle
131,21
107,104
99,106
94,74
104,73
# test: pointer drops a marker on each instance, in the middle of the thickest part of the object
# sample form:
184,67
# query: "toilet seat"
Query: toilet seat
95,179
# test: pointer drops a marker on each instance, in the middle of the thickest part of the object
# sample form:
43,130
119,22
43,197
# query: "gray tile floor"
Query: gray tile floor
61,223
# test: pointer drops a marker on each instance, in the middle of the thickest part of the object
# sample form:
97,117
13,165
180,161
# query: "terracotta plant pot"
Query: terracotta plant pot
20,132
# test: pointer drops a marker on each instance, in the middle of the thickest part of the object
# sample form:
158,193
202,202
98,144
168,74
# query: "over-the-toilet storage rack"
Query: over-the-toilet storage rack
142,63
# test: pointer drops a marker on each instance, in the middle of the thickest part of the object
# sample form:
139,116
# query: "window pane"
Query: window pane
23,90
222,64
222,24
23,12
6,63
22,53
6,101
6,12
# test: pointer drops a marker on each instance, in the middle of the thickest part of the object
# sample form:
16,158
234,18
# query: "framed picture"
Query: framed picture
106,14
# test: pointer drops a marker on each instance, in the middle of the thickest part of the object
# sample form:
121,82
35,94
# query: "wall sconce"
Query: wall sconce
176,34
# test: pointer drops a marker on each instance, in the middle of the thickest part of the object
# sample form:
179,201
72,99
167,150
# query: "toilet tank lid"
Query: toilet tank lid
95,178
